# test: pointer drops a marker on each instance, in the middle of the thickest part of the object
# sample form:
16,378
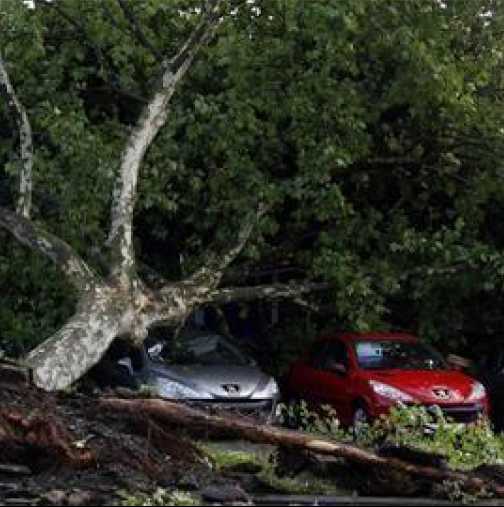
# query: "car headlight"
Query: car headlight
390,392
269,391
478,392
169,389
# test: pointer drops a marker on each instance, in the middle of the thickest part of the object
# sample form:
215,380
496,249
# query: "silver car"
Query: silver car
207,370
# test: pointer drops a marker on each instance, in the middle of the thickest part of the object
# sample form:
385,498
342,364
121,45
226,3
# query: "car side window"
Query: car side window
335,352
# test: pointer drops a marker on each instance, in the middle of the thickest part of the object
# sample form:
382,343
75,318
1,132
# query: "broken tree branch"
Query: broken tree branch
211,273
151,120
196,420
312,307
25,141
61,253
274,291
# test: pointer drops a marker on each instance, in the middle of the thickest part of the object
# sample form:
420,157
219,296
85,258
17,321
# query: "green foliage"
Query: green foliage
35,298
300,328
463,446
323,422
222,459
374,128
306,484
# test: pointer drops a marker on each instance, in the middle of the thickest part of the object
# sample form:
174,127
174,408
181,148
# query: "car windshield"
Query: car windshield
211,350
397,355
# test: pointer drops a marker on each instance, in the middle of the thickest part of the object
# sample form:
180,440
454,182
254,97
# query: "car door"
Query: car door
329,386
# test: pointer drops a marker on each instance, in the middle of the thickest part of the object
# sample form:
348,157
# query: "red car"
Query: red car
362,375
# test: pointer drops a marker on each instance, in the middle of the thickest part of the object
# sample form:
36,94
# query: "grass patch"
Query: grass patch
222,459
305,483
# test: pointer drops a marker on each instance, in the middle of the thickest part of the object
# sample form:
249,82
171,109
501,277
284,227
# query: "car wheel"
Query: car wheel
360,420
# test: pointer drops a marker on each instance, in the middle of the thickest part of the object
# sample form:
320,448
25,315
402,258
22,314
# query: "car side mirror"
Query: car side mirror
155,350
126,362
458,362
338,368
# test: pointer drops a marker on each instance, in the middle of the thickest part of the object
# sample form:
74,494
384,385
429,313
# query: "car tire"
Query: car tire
360,419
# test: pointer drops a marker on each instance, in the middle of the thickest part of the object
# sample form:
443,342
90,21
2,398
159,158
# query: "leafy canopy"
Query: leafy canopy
373,128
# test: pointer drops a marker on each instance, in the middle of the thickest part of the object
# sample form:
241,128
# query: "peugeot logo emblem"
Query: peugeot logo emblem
442,394
231,388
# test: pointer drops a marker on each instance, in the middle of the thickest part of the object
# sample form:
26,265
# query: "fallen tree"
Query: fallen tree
200,422
42,431
117,301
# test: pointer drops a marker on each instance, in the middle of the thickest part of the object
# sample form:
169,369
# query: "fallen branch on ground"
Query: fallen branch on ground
195,420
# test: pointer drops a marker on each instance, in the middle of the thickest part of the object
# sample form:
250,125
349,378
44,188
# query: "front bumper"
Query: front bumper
265,410
465,413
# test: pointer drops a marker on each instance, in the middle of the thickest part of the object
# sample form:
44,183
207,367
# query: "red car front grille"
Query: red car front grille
463,413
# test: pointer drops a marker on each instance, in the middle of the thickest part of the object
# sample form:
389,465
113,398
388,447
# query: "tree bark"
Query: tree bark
196,420
62,359
25,143
273,291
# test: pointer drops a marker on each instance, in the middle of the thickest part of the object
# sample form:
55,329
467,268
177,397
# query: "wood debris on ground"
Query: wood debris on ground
78,449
